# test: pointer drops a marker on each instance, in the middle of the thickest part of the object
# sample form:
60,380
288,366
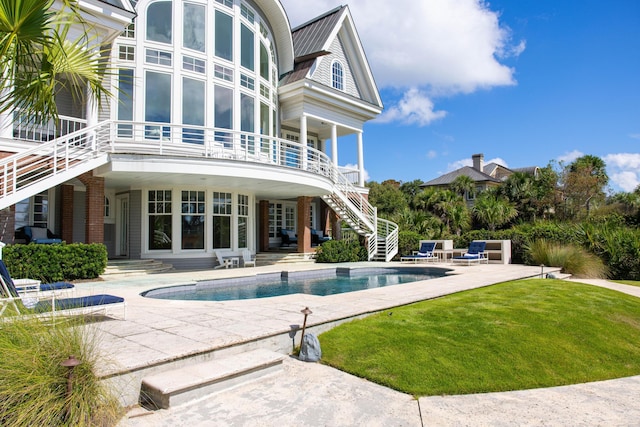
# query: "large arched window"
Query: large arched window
159,22
337,76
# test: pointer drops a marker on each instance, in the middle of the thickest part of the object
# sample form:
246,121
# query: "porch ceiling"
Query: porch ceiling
266,182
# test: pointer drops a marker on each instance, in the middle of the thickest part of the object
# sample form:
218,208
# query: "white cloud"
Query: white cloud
441,47
634,136
623,170
415,107
431,154
570,157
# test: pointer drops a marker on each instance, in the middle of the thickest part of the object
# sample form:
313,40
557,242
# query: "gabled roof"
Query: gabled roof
472,173
313,39
120,4
312,36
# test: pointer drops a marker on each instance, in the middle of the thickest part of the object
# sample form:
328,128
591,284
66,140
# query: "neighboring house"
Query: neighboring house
225,129
484,176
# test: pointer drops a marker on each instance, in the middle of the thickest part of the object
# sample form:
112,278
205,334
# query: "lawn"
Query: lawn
628,282
511,336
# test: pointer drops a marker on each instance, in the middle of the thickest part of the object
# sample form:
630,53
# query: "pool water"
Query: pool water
318,282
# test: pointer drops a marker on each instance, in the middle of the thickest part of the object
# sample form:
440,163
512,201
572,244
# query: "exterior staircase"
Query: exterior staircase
46,165
116,269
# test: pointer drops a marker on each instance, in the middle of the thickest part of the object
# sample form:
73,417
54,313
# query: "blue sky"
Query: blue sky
524,82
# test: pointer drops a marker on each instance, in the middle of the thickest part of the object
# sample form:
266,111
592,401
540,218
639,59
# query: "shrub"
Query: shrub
33,384
51,263
572,259
341,251
408,241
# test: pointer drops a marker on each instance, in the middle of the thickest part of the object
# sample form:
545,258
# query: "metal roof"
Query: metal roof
311,37
472,173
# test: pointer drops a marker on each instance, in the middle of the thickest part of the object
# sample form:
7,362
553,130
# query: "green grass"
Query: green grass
628,282
516,335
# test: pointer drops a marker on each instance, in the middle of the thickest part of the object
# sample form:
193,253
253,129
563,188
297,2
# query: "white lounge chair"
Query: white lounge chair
223,263
246,258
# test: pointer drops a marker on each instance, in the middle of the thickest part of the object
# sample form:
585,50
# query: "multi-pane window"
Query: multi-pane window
337,73
159,206
247,13
159,22
243,220
160,57
194,64
247,81
126,53
264,90
223,73
224,36
228,3
222,211
193,36
193,206
247,122
130,31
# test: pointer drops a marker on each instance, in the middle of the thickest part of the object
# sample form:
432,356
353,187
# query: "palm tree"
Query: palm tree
493,210
463,184
36,52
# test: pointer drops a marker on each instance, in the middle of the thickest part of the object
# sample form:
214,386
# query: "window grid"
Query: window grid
222,203
247,82
223,73
337,76
130,31
194,64
160,230
126,53
264,90
247,13
228,3
159,57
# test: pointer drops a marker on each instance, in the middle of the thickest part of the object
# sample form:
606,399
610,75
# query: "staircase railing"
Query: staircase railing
48,164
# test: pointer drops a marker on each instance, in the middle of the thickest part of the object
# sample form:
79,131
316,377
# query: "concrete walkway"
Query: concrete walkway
157,332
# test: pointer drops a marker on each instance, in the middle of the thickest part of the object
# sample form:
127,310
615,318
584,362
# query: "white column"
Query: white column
303,142
334,144
360,160
6,125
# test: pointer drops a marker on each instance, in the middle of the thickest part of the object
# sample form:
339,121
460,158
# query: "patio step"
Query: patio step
160,391
124,268
271,258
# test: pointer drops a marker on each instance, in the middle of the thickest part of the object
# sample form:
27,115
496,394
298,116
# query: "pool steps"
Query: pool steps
194,381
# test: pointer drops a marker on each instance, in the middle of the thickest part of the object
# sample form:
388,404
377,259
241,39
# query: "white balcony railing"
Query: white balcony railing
36,130
78,151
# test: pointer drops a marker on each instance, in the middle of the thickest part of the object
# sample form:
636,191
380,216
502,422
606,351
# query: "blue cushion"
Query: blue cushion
55,286
79,302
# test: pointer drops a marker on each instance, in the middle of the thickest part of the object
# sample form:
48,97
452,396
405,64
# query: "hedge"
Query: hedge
52,263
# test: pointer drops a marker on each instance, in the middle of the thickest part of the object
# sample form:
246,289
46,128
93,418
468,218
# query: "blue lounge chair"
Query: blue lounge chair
425,253
76,305
289,237
475,253
42,287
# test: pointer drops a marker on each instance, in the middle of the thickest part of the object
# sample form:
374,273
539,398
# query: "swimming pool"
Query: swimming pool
316,282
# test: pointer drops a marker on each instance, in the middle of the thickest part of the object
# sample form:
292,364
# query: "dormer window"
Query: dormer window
337,73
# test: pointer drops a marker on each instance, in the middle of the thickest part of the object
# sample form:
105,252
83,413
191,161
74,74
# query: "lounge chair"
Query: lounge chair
425,253
246,258
39,235
475,253
25,285
289,237
31,305
318,237
223,263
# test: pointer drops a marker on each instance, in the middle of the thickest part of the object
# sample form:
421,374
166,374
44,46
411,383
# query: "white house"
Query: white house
225,128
